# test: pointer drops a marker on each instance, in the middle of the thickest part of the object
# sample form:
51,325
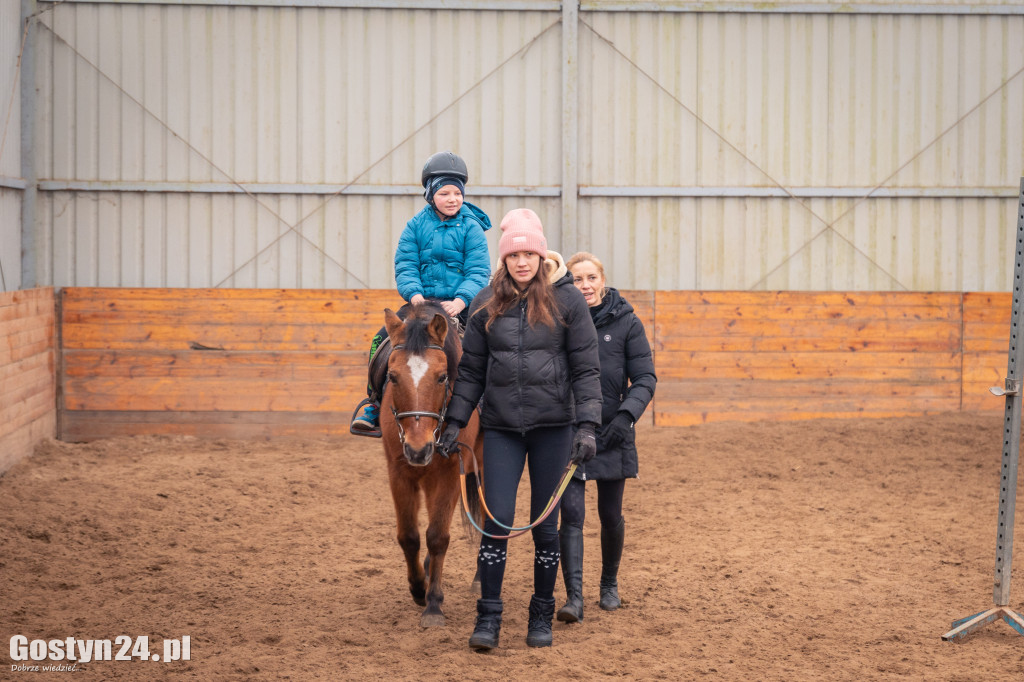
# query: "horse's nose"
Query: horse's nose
419,457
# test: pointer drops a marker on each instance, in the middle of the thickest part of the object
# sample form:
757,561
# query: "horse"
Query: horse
421,371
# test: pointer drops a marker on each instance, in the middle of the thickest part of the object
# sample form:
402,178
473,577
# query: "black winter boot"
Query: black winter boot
488,623
541,612
611,554
571,541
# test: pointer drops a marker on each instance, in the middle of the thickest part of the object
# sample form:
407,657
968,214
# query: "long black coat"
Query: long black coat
530,377
627,383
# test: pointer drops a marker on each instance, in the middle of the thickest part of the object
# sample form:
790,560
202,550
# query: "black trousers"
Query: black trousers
609,502
545,452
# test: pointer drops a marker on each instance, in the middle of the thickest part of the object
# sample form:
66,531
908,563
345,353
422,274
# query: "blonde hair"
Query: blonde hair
581,256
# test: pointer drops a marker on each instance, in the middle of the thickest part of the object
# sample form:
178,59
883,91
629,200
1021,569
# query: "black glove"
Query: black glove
448,437
617,430
584,444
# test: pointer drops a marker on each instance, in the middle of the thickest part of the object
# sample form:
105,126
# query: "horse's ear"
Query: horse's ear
438,329
392,323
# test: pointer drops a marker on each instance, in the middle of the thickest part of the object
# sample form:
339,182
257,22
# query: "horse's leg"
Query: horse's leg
406,497
442,493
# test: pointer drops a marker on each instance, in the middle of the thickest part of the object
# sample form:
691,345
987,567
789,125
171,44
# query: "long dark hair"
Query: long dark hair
541,305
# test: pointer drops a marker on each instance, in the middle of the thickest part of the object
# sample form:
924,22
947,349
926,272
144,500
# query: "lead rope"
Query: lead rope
570,468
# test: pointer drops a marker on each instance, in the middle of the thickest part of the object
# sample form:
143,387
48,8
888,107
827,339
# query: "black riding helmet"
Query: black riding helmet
447,164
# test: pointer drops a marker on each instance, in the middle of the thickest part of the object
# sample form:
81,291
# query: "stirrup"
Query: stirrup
362,432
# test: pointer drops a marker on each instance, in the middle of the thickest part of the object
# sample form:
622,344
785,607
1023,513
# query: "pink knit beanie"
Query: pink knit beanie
522,231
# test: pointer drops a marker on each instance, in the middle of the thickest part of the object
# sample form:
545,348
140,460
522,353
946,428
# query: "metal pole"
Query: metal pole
28,164
1011,426
570,125
1011,453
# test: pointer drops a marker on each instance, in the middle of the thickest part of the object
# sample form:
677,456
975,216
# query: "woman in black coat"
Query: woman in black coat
627,386
530,351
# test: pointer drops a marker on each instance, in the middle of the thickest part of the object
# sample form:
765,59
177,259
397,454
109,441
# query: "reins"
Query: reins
570,468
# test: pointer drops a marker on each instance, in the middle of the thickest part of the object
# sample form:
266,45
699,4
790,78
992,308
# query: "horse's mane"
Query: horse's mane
417,337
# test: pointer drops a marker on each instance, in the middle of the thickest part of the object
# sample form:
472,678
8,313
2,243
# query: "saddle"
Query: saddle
377,370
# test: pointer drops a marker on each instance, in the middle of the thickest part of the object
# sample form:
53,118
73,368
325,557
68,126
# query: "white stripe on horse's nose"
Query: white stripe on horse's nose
417,367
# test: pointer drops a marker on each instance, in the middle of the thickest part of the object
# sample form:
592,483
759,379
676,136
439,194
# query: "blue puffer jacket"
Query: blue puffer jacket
444,259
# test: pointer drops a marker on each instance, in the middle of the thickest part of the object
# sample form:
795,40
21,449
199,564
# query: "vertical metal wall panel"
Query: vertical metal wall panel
10,146
868,102
200,94
10,239
10,90
696,114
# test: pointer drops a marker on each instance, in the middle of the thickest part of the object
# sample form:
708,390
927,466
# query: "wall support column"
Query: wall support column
28,164
570,125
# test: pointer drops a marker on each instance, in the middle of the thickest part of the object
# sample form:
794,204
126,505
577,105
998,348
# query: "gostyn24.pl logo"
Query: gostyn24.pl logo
74,650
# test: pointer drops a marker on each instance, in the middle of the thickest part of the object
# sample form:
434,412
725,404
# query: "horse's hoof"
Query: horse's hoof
420,601
431,620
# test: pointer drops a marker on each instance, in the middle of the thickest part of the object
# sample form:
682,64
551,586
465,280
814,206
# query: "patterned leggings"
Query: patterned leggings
506,453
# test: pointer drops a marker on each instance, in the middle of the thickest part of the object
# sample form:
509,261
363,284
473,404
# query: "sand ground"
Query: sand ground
838,550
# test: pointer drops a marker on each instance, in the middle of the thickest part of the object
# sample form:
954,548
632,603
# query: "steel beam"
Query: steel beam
570,125
280,188
522,190
499,5
798,7
28,148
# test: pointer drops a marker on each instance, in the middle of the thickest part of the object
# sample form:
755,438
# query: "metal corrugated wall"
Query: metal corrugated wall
728,150
209,98
10,147
827,107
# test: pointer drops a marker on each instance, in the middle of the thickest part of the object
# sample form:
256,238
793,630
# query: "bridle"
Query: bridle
439,416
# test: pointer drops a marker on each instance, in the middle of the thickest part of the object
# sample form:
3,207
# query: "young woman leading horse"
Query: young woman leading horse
531,353
421,371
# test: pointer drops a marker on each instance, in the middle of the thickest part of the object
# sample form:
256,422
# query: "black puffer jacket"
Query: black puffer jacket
530,377
627,383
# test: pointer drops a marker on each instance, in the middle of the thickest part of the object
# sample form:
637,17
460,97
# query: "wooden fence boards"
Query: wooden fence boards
224,362
28,408
800,355
293,362
985,348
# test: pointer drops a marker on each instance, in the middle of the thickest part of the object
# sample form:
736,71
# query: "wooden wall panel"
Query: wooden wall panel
728,355
217,362
986,348
28,402
265,363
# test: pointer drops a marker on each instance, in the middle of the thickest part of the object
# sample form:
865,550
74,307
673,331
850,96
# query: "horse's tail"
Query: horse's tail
474,507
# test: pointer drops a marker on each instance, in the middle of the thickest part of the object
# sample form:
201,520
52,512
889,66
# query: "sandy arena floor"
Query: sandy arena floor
826,550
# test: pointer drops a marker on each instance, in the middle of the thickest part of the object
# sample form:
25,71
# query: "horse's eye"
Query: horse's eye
442,379
392,377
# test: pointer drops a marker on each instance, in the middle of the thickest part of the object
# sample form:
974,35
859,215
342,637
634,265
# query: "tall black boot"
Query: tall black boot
571,541
488,623
541,612
611,553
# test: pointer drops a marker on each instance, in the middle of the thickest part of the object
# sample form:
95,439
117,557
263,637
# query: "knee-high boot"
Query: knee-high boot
571,542
611,553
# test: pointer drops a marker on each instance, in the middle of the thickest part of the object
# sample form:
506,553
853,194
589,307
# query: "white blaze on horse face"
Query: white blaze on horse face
417,367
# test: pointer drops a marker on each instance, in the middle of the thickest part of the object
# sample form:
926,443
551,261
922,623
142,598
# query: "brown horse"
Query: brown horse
421,372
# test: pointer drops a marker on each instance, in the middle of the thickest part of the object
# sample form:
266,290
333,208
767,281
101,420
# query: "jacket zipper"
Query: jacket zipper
522,320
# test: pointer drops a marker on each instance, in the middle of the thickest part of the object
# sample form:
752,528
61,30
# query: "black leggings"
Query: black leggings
546,452
609,502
